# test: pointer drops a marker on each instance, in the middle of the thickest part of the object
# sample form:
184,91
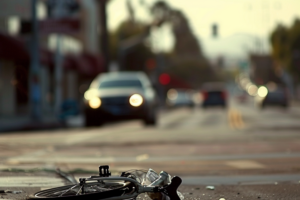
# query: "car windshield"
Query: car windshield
120,84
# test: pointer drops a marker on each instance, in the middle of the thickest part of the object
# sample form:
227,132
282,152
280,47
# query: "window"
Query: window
120,83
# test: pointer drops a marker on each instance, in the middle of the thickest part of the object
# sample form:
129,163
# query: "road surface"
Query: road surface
241,140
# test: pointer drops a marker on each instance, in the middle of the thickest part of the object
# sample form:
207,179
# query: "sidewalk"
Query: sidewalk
25,123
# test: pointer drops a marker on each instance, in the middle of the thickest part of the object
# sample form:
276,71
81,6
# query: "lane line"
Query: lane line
96,160
142,157
235,120
245,164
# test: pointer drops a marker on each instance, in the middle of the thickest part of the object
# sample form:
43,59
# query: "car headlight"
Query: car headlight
95,103
91,93
172,94
262,91
136,100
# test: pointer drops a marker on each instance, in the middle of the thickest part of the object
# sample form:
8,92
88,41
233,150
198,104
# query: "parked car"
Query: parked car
214,94
272,96
180,98
120,96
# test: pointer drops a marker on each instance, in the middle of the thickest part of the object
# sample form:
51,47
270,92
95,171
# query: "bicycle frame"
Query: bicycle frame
138,187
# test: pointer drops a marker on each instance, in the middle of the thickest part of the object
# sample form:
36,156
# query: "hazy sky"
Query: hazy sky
242,23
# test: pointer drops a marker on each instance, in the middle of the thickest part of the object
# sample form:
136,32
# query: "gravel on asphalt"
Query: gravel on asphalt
228,192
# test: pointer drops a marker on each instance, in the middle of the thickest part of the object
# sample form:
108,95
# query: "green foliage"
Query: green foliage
194,71
285,42
134,57
186,58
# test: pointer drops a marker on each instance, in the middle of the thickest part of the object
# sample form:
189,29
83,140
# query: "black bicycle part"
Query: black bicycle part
171,189
51,194
104,171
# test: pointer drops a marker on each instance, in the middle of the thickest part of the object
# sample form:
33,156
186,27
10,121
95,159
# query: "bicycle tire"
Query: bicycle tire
55,193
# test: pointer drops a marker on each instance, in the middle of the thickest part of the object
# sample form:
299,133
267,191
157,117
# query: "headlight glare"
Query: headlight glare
95,103
91,93
262,91
136,100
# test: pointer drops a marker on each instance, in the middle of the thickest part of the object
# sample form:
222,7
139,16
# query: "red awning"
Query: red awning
85,63
63,26
12,48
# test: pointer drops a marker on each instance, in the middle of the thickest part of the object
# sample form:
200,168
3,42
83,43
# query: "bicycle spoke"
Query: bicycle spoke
80,189
68,190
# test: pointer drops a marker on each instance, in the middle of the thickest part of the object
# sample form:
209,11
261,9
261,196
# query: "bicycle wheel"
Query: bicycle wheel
92,191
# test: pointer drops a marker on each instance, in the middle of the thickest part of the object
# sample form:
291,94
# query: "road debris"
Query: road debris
10,191
210,187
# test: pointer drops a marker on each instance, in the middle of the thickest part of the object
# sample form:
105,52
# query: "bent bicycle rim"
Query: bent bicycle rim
91,191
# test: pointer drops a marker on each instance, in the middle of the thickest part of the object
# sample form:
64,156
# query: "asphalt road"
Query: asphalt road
239,141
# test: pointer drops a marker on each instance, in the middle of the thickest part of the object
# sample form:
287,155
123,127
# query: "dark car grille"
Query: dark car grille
110,101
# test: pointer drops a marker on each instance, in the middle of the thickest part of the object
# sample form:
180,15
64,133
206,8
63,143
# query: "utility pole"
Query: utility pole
104,33
58,71
34,81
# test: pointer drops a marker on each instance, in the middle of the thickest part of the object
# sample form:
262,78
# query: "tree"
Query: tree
285,42
186,59
279,42
128,44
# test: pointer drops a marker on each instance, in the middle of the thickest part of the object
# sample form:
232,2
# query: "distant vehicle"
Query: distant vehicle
272,96
214,94
179,98
119,96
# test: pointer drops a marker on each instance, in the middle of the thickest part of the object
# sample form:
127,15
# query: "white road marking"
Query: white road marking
90,160
30,181
142,157
245,164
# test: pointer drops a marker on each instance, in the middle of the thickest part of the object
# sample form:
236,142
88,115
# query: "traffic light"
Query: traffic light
214,29
164,79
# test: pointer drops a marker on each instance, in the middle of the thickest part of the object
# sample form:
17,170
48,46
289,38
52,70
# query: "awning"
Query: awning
63,26
85,63
12,48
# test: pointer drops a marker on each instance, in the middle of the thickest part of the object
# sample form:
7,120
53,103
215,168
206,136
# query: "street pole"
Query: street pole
34,79
104,33
58,76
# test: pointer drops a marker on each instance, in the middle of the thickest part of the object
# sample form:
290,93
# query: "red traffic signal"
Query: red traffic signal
164,79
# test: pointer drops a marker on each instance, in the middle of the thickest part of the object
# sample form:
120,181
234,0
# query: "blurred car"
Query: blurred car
119,96
214,94
274,96
179,98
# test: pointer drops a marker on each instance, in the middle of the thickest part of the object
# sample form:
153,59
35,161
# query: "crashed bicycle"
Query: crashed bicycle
128,185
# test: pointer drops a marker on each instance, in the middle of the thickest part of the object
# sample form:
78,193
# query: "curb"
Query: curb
31,126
